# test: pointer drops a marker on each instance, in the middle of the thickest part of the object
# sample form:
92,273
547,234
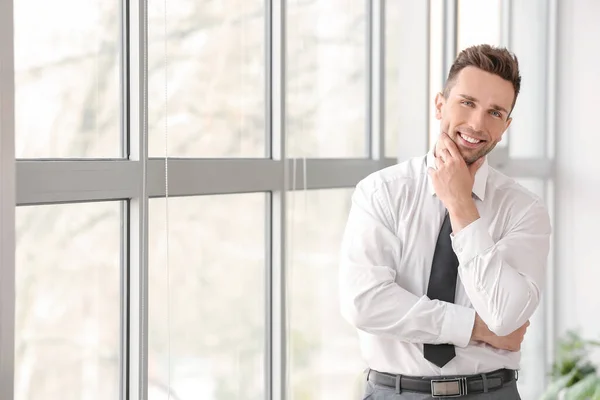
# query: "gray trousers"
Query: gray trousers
376,392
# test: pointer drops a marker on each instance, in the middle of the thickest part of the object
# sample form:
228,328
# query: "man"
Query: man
443,258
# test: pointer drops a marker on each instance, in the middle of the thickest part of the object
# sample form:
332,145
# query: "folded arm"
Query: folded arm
371,300
504,279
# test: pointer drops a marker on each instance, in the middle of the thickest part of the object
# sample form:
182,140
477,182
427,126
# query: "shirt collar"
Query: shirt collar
480,177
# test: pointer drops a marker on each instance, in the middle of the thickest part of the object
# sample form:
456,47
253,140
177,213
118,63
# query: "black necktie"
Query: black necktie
442,286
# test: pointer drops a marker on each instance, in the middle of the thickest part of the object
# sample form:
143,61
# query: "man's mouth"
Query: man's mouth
469,141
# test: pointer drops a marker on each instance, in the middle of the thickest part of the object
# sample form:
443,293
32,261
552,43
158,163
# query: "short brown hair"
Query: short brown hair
495,60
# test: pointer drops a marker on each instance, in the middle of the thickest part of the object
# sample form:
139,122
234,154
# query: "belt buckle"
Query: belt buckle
449,387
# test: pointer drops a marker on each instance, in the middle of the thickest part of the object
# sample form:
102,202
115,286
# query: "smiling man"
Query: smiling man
443,258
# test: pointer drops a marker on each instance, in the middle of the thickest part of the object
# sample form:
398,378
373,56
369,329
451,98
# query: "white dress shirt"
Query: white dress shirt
386,258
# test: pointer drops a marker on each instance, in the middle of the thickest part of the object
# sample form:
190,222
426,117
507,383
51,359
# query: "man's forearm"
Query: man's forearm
481,332
388,309
462,214
511,342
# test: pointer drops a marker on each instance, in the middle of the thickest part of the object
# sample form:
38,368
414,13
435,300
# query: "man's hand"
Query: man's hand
510,342
453,182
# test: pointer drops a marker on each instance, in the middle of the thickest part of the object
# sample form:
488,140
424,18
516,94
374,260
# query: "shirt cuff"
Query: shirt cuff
471,241
457,326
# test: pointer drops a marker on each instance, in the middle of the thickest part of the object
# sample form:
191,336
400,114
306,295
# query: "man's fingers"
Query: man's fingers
445,155
451,146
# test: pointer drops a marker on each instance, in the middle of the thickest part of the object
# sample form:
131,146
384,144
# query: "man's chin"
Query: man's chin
465,155
469,155
470,158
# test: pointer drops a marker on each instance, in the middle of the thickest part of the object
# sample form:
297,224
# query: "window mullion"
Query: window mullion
7,202
137,355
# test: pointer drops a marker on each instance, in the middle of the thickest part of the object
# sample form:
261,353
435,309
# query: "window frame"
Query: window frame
137,178
7,202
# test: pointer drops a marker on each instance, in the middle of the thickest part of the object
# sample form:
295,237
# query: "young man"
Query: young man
443,258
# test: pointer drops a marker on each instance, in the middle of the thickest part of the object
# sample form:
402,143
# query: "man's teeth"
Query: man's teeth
469,139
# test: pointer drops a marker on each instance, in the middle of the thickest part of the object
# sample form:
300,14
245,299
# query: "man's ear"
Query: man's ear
440,100
508,122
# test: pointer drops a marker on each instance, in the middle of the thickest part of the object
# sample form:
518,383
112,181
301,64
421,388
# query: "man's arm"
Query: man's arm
503,279
371,300
512,342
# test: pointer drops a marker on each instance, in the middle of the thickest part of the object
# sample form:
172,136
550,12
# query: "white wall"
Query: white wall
578,167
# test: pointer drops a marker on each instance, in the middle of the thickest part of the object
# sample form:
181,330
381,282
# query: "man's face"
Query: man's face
475,114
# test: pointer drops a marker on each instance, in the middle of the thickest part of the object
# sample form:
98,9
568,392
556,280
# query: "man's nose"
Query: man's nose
477,121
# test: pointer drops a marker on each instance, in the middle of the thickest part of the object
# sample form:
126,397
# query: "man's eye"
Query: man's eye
467,103
496,114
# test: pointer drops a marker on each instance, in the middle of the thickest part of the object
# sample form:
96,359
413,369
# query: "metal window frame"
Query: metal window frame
7,201
137,179
136,357
275,340
450,11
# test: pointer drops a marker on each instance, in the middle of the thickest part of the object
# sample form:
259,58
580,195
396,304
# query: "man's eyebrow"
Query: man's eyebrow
467,97
474,100
499,108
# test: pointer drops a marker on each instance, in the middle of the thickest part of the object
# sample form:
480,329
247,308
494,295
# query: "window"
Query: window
437,73
326,78
533,351
93,242
478,22
215,324
68,313
529,136
67,79
393,58
325,360
214,86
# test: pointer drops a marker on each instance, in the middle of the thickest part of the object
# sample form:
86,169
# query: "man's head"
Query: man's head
480,94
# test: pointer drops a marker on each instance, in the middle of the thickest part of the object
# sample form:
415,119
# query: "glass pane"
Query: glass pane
478,22
215,83
529,33
437,75
325,360
533,359
326,78
67,78
393,58
216,324
68,313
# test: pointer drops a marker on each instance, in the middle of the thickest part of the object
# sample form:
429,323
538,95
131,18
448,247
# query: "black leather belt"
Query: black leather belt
445,386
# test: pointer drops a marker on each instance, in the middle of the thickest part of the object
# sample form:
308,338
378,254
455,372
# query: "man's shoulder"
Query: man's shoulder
508,188
397,175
